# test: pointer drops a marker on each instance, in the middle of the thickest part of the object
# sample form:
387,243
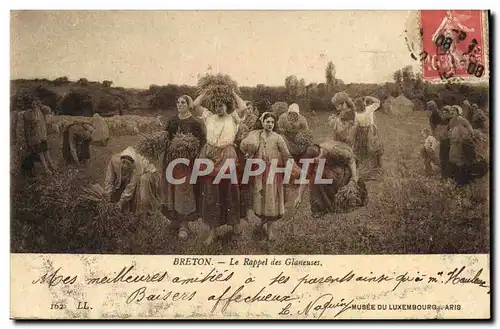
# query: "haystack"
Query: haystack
101,133
401,106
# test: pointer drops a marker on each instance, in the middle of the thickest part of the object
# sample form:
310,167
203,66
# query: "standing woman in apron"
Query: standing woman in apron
220,204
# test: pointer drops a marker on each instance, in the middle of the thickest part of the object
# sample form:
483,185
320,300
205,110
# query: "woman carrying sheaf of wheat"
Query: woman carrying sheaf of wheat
343,123
186,135
368,144
221,201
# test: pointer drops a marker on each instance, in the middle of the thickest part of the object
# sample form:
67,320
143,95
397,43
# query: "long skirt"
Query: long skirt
269,199
468,157
147,195
179,200
322,196
444,157
368,142
245,189
220,203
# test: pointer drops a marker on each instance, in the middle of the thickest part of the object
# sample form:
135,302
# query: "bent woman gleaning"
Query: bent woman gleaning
346,192
132,183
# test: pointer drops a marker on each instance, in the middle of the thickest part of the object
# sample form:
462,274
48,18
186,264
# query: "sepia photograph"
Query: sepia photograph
249,132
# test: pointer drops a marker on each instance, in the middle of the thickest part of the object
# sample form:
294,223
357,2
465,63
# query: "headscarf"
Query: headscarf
447,108
293,108
189,100
458,108
431,105
127,157
263,115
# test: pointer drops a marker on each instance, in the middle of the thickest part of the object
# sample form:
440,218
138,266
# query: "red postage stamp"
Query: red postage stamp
453,44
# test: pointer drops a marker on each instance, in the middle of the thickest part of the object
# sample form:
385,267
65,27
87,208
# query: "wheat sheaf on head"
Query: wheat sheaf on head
217,89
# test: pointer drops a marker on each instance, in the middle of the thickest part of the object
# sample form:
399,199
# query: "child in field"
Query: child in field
429,150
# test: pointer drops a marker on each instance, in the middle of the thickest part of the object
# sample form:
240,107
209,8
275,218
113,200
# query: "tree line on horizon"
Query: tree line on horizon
310,96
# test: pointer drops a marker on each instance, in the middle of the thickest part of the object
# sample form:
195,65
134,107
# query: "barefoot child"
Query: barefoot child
429,150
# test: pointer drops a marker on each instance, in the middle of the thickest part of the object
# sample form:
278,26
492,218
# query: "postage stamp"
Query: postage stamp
453,44
203,165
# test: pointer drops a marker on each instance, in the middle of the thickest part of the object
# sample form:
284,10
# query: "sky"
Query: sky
135,49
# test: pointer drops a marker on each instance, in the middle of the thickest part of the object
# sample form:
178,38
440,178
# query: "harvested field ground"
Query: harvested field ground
407,212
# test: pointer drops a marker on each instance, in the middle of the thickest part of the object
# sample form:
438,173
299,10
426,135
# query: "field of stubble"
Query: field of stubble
407,212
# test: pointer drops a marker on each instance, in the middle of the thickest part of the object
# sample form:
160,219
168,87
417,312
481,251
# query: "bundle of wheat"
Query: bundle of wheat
250,144
348,197
367,171
94,192
152,145
302,140
210,80
183,146
279,108
217,89
481,146
106,217
340,97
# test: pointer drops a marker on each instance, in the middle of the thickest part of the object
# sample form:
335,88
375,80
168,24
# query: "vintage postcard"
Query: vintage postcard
250,164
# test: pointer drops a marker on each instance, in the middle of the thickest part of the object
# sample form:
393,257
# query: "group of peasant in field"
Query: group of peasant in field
29,131
238,130
456,142
219,125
